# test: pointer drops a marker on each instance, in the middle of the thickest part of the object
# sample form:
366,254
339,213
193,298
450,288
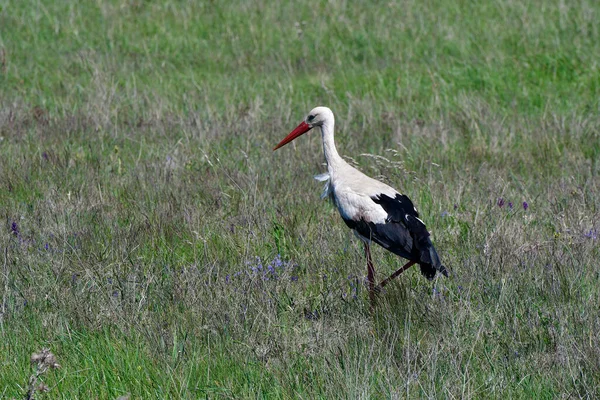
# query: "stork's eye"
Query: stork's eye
310,118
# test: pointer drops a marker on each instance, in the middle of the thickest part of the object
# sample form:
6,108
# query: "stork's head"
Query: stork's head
318,116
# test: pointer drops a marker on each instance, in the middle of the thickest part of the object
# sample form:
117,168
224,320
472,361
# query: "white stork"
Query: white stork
375,211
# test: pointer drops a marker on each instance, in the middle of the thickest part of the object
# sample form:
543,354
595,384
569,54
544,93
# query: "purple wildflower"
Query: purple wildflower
227,278
311,315
455,206
445,214
438,293
115,293
510,205
14,228
592,234
47,247
294,279
500,202
109,280
525,205
45,156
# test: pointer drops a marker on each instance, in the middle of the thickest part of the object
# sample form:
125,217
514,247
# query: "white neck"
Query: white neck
331,155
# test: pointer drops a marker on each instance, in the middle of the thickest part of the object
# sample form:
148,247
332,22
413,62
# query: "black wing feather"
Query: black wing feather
392,236
403,233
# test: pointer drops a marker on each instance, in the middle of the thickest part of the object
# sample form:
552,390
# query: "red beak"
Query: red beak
299,131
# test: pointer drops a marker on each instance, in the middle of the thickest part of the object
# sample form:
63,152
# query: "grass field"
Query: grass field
156,245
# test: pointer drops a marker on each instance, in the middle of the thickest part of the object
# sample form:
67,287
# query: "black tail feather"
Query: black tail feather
429,270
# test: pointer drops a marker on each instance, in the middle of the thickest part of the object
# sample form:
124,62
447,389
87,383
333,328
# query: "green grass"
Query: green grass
138,191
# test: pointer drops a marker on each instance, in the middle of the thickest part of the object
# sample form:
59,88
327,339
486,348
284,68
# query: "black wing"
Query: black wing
403,233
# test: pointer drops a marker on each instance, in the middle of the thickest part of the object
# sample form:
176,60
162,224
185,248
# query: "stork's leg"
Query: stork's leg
370,275
394,275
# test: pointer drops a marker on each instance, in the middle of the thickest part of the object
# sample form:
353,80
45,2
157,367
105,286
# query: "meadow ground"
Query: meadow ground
155,244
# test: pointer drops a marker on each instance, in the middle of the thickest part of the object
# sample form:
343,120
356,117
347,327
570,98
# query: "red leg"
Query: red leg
370,275
394,275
